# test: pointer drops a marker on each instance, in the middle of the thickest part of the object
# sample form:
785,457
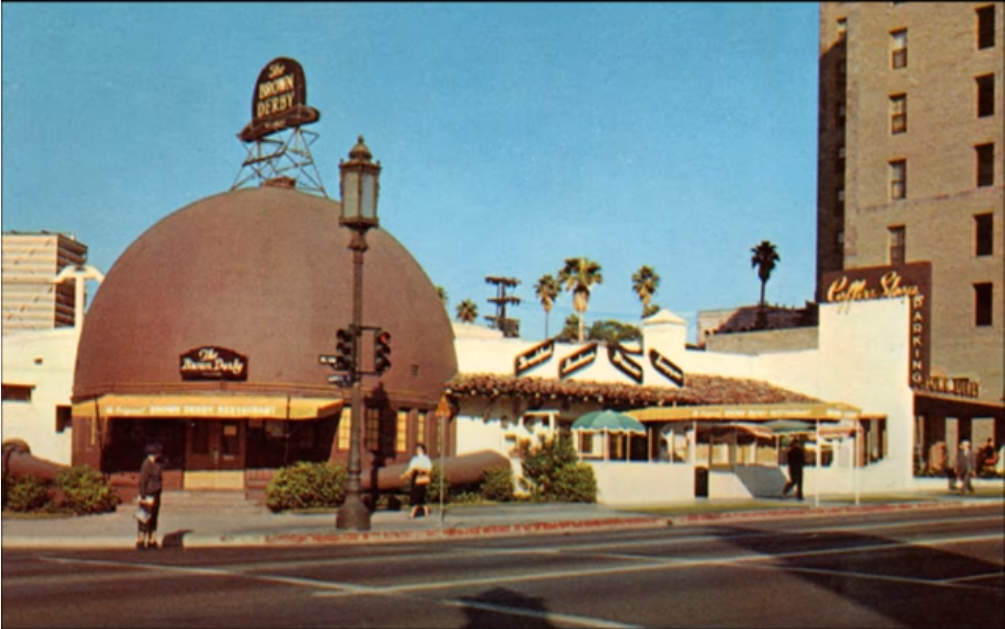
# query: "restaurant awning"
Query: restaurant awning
209,407
822,411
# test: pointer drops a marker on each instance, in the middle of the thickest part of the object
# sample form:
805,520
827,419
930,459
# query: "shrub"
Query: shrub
306,485
575,483
498,483
553,473
85,491
24,493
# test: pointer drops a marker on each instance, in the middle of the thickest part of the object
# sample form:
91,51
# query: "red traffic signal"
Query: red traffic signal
382,352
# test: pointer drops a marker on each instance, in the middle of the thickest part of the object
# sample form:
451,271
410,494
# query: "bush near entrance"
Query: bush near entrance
79,490
306,485
552,472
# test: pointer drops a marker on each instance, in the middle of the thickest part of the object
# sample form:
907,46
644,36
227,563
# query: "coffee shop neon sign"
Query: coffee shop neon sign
908,281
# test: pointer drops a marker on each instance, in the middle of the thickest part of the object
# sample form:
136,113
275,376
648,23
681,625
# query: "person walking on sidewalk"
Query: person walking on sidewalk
150,486
966,465
796,458
419,469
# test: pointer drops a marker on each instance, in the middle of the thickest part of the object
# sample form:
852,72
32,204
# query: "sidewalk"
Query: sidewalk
184,526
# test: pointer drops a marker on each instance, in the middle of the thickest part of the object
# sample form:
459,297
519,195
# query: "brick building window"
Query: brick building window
344,428
839,163
840,113
984,234
986,27
898,113
985,165
985,95
983,294
898,244
898,49
401,431
898,179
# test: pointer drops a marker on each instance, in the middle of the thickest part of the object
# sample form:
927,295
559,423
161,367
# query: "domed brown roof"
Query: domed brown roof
267,273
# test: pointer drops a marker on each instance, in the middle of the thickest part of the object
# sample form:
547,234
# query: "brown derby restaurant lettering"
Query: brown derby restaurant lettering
213,363
912,281
279,101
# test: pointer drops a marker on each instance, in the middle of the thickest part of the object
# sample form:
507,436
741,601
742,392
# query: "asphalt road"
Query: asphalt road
942,568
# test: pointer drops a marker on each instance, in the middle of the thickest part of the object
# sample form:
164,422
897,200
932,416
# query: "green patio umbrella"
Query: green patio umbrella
609,421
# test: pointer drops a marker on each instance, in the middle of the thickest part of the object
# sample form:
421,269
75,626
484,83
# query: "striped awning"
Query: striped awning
209,407
823,411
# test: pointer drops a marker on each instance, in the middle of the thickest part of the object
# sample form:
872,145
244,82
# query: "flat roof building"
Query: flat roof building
32,300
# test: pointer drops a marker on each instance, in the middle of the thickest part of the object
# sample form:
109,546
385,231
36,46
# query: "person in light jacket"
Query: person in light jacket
966,465
419,469
150,486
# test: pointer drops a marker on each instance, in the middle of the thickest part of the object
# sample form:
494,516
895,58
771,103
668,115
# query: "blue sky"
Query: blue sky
512,136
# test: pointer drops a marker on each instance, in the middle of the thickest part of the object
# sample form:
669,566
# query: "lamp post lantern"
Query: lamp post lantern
360,183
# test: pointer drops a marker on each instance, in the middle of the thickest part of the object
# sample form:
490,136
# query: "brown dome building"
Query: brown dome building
206,336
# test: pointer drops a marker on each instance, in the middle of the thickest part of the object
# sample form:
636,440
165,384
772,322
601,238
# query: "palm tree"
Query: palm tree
547,289
645,281
579,275
467,311
442,292
764,259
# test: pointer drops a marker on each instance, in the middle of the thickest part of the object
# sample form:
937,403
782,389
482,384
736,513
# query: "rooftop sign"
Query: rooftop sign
279,100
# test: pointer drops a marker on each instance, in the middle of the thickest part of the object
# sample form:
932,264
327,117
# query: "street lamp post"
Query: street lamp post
360,183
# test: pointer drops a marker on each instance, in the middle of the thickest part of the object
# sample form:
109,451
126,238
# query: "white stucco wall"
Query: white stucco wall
43,359
861,359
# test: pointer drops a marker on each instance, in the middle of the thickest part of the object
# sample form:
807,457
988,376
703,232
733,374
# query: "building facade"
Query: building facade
32,300
910,172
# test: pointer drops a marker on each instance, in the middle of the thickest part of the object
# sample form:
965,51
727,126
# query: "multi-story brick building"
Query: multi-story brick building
32,300
910,171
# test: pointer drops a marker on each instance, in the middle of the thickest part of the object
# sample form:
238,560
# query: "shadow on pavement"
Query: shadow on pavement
175,539
914,585
501,608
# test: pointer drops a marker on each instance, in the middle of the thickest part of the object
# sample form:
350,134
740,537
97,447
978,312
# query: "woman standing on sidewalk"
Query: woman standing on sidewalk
150,486
419,468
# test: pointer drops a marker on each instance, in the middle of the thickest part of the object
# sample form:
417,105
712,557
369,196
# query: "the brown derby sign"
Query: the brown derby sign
213,363
912,281
279,101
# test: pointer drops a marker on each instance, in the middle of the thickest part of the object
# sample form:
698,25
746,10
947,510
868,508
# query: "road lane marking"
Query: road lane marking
540,615
666,564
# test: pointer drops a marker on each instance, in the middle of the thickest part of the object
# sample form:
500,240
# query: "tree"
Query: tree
579,276
612,331
467,311
764,258
547,289
645,282
570,329
442,293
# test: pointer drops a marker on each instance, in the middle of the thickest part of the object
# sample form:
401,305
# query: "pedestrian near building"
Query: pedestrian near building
966,465
419,470
796,458
987,458
150,486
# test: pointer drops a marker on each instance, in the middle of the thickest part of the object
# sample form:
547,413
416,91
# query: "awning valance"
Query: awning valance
823,411
209,407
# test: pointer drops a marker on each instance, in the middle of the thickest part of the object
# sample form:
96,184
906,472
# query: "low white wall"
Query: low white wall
641,483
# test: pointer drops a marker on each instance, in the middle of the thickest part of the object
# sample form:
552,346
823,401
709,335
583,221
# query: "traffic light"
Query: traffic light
382,352
344,350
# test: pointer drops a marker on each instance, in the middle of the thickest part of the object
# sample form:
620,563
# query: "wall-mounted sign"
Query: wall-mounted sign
962,387
535,356
666,368
577,361
279,101
213,363
620,357
911,281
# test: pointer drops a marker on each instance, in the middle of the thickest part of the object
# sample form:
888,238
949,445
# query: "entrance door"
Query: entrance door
215,454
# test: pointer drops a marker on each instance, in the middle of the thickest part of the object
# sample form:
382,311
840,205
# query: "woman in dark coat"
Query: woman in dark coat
796,458
150,487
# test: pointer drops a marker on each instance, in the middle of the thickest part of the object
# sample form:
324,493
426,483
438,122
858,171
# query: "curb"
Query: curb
564,527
